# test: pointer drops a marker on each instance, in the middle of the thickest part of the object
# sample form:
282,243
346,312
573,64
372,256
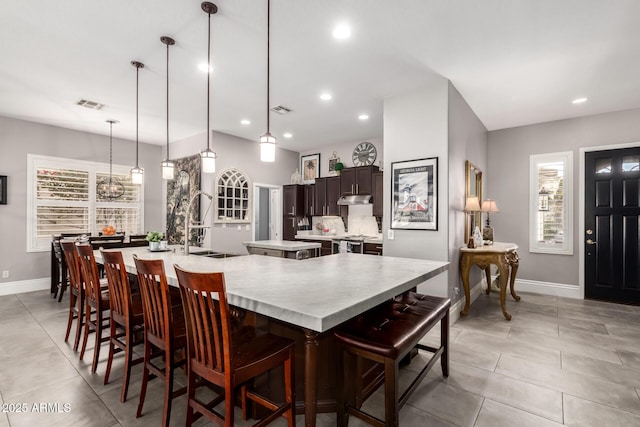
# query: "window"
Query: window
62,198
232,190
551,203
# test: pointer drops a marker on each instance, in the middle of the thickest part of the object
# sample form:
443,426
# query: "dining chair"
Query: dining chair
96,303
126,315
76,296
229,357
107,242
60,267
164,332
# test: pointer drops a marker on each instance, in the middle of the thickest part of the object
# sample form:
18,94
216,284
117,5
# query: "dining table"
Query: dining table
311,297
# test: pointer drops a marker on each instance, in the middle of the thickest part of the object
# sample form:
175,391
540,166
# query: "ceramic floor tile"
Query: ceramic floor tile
594,389
523,395
630,359
584,413
625,332
607,371
494,414
582,325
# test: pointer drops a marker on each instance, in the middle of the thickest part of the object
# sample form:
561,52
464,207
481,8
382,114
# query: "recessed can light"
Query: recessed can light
342,32
245,122
326,96
363,117
287,135
204,68
579,100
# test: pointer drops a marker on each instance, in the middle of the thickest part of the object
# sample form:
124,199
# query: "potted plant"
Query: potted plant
154,238
338,167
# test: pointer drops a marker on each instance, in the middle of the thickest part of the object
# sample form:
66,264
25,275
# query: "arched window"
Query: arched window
233,197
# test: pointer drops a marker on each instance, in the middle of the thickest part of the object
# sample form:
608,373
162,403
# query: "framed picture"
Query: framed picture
3,189
310,168
414,185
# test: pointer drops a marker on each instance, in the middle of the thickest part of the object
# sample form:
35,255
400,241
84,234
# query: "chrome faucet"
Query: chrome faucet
188,217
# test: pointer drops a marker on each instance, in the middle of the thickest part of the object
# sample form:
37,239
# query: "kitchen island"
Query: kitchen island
283,248
311,297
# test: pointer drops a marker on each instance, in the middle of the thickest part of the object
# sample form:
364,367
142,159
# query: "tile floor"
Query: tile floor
558,362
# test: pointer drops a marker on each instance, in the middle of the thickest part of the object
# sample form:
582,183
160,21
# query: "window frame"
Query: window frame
248,210
535,160
35,161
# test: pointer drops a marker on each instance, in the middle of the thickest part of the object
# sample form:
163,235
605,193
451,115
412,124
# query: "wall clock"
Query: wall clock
364,154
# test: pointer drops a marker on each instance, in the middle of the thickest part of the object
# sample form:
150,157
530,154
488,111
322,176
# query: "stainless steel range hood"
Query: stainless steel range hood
355,199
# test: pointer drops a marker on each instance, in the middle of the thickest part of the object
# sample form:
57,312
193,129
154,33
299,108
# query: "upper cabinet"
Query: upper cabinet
326,195
377,193
358,180
293,196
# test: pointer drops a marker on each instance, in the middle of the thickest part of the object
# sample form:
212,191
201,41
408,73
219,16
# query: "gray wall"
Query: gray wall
467,141
234,152
19,138
508,181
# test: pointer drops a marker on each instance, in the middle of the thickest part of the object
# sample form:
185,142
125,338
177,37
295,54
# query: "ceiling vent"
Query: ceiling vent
281,110
90,104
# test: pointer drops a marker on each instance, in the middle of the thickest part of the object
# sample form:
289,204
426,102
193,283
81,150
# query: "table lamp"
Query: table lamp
489,206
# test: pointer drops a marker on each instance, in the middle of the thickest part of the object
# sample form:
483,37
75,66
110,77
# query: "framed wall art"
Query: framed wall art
310,168
415,194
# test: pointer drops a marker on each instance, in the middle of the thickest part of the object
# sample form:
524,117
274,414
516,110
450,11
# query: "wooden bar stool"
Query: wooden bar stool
126,314
229,358
96,303
76,296
164,332
385,335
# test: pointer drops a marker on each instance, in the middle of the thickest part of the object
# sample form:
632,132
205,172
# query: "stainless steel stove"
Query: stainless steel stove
349,243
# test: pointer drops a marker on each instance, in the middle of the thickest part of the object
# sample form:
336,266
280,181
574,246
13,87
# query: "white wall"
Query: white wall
19,138
344,152
234,152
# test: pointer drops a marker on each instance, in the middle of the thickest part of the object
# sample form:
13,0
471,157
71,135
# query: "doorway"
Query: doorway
611,232
267,212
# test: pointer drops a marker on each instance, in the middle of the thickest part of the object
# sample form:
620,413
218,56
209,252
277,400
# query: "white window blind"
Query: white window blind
62,198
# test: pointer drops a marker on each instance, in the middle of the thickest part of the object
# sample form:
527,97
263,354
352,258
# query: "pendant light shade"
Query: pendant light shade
268,141
168,167
208,156
137,173
110,188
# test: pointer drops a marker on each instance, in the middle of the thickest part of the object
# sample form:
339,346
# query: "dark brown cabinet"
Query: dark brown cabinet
309,193
357,180
373,248
378,201
326,195
292,209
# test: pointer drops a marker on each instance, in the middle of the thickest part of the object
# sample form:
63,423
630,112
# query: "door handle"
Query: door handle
591,242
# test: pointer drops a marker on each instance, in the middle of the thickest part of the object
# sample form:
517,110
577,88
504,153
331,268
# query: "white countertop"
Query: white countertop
317,293
327,237
282,245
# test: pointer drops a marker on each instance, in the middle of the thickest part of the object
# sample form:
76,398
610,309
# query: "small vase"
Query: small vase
154,246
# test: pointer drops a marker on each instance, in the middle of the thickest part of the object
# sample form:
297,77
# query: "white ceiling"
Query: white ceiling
516,62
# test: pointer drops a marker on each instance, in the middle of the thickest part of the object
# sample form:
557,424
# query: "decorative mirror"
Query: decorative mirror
473,188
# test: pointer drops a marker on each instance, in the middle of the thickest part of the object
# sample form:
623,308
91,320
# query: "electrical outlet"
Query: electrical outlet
5,274
247,227
391,235
239,228
456,291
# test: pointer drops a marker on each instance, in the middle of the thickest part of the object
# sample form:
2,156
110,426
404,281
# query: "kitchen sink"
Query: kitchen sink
214,254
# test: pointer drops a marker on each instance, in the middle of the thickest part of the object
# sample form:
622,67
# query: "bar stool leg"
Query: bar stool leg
391,410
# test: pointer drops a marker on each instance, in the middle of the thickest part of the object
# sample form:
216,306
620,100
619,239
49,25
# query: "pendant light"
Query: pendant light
168,167
110,188
208,156
268,141
137,173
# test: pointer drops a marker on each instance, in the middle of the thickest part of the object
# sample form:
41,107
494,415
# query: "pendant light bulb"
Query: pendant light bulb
168,167
268,141
208,156
137,173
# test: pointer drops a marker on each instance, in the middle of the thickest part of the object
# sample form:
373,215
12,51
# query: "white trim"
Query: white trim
22,286
566,248
276,216
456,308
548,288
581,172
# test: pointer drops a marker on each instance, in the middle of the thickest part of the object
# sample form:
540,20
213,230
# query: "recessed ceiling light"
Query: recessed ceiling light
342,32
245,122
287,135
579,100
363,117
204,68
326,96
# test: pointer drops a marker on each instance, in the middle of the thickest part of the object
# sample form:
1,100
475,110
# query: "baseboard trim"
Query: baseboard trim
549,288
456,308
21,286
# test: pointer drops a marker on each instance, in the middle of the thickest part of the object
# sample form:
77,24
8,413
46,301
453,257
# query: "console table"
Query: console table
504,255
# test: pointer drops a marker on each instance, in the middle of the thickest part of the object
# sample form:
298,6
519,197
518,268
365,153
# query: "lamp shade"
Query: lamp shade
490,205
208,161
267,148
168,169
472,205
137,175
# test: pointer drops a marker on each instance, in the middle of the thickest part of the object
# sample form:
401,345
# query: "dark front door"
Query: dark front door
612,225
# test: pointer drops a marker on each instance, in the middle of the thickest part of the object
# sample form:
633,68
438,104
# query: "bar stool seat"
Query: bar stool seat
385,335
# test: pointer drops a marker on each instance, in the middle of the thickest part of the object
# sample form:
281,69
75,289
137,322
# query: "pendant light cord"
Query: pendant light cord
167,101
208,79
268,58
137,90
110,151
